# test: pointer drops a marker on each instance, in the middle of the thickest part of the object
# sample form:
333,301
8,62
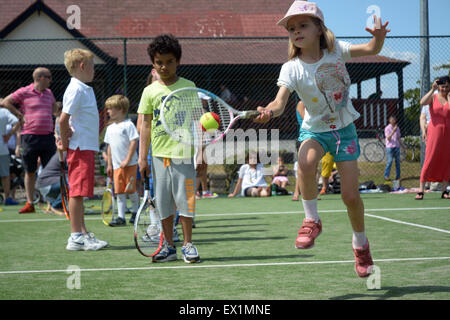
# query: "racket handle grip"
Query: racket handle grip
61,155
146,183
250,114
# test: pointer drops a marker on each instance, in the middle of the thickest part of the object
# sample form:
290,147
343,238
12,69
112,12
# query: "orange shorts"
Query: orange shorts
81,172
125,180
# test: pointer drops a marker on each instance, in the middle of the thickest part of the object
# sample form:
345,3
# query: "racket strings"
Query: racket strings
107,203
223,113
182,113
145,234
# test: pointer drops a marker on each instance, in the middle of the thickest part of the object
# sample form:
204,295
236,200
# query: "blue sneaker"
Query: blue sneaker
167,253
175,237
190,253
10,202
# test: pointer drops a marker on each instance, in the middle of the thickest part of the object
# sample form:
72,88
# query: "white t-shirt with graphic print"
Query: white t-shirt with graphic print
323,87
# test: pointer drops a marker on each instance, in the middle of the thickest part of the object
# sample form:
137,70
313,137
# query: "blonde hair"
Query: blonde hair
118,101
73,58
327,39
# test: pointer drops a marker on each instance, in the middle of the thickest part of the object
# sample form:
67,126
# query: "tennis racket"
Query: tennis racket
148,237
108,208
182,109
63,185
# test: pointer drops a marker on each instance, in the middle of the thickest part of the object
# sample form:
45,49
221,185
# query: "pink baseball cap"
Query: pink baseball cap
302,8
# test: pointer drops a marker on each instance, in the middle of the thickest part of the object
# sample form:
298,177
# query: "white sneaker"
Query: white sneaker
94,239
75,244
83,242
153,233
92,243
190,253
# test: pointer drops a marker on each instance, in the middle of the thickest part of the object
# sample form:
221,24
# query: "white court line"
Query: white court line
200,266
241,214
407,223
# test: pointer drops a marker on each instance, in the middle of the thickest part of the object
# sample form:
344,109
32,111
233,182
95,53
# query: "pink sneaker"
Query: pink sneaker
309,231
363,261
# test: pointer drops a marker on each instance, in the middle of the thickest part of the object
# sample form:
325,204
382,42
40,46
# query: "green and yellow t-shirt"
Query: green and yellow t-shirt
161,142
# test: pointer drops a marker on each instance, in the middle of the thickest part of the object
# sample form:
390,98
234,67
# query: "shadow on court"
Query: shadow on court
110,247
395,292
251,258
230,225
201,220
212,241
228,232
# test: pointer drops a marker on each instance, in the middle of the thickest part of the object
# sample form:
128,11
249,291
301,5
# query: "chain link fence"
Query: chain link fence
388,84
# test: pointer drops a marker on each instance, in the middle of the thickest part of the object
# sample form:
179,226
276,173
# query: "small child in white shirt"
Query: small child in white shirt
122,139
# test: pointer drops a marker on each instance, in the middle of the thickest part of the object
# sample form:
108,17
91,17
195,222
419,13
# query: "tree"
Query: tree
443,66
412,111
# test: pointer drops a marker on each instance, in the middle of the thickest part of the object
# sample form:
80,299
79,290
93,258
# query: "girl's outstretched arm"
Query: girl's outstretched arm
275,108
375,45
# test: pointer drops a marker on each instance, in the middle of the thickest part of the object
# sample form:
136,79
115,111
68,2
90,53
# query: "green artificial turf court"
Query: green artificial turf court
247,252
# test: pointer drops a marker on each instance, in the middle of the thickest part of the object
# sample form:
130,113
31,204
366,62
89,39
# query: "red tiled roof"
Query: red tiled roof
138,18
209,51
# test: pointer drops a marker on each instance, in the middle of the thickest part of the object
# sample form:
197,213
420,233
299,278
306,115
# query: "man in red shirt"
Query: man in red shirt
36,105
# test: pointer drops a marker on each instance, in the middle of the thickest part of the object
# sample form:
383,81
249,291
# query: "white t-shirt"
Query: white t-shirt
426,109
79,101
295,169
323,87
251,177
6,118
119,136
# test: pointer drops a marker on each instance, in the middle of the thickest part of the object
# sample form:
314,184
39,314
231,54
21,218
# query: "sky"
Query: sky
350,17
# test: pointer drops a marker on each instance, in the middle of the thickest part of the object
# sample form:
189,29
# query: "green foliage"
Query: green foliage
443,66
412,112
412,141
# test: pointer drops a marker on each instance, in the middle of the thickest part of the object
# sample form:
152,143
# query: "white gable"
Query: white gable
38,26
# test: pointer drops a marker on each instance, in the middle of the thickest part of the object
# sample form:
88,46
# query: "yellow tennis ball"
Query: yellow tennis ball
209,122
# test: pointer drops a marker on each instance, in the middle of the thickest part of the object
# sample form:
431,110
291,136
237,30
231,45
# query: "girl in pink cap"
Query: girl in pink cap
316,71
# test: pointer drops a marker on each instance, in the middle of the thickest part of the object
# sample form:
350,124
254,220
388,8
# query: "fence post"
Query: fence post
424,61
125,67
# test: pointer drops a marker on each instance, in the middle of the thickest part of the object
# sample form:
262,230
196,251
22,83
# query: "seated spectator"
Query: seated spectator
280,172
251,181
48,185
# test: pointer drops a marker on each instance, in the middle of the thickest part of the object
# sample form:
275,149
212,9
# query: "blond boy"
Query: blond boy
79,126
122,139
